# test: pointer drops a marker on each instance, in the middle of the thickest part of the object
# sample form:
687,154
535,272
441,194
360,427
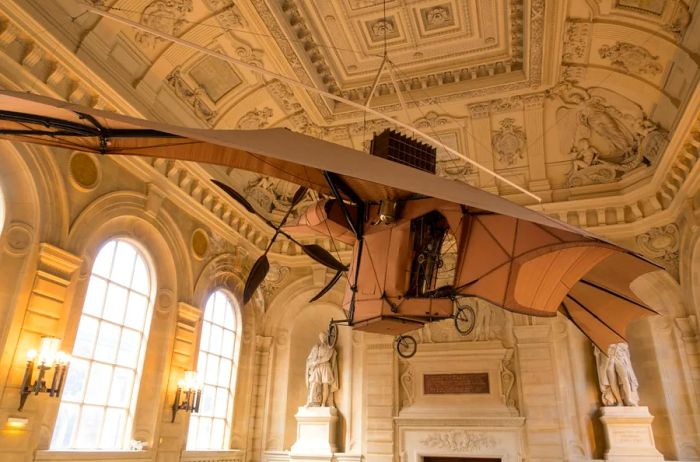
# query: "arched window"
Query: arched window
97,405
210,428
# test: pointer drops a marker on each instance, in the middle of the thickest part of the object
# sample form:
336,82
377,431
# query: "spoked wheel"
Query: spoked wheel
465,319
406,346
332,334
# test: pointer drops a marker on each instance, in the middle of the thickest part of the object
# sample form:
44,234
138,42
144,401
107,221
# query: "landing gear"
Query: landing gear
465,319
332,335
406,346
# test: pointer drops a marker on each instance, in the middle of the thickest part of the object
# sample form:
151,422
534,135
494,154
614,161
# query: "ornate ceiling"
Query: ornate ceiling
575,100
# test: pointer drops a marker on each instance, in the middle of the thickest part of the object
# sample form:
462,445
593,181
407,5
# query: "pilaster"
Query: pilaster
480,144
538,380
46,314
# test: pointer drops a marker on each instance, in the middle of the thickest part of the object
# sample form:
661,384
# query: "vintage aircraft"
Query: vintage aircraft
396,217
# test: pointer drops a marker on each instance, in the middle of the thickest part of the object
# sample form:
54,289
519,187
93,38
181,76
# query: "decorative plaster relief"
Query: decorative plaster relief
576,41
437,17
662,244
274,280
166,16
508,142
273,194
611,134
459,441
508,380
631,58
655,7
381,28
190,96
407,379
18,238
255,119
680,19
215,76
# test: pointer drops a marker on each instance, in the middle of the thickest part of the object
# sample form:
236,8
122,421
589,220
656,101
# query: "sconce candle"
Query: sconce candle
191,388
48,357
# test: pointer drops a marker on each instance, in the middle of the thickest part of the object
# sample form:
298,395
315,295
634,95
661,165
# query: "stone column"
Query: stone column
173,435
259,399
46,314
379,382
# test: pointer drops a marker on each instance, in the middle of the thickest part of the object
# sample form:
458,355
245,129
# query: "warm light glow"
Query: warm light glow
31,355
190,382
62,358
48,350
17,422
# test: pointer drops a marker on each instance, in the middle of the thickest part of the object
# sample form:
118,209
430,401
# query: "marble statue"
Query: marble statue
616,378
321,373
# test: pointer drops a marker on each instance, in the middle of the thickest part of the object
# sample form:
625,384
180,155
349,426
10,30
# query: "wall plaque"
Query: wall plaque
443,384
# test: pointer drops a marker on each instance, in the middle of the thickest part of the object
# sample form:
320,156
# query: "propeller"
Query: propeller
262,264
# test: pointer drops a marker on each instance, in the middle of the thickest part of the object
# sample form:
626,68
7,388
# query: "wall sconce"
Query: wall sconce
191,388
48,357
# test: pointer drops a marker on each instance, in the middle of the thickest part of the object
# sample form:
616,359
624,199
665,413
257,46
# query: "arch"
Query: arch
226,271
125,215
219,350
109,349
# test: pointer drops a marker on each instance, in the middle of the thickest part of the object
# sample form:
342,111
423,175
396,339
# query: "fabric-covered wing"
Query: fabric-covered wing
534,269
277,152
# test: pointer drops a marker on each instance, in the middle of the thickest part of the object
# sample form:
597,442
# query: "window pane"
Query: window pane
192,432
89,427
206,333
129,348
75,382
221,402
65,425
224,373
217,433
103,262
215,340
98,384
115,304
113,427
107,342
211,371
85,338
98,399
227,346
123,266
94,298
206,407
141,282
120,391
204,433
136,311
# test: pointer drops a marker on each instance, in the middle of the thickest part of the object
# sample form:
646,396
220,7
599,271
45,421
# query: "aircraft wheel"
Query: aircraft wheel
406,346
465,319
332,334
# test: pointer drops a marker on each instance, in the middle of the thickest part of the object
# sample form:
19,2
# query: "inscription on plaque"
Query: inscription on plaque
454,384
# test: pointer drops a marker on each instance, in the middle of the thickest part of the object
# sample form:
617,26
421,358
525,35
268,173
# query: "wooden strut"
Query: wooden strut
336,184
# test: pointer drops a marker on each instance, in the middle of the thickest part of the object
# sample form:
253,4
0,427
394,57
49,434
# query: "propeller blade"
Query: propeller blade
256,277
236,196
299,195
323,257
328,287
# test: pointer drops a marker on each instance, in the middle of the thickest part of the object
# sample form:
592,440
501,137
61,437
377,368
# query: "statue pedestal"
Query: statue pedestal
315,434
629,435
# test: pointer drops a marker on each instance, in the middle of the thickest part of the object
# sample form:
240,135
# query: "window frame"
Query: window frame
234,358
128,410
